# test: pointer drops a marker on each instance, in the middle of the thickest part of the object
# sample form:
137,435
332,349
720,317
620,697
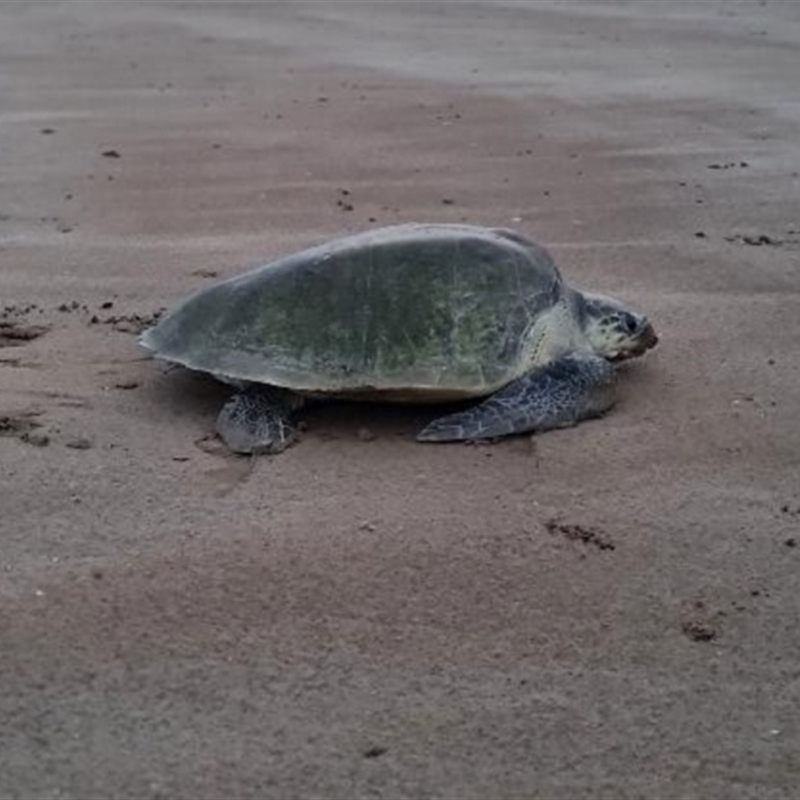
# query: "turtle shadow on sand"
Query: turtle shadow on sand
365,420
198,396
178,391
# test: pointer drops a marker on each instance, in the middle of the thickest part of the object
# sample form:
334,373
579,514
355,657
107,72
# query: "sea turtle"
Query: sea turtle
409,313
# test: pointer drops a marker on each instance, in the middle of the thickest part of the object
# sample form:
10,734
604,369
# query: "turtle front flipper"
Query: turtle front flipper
573,387
258,420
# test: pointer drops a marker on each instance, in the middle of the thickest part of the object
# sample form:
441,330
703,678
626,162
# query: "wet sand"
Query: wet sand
605,611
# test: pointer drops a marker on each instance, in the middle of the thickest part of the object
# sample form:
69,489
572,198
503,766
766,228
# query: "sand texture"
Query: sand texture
608,611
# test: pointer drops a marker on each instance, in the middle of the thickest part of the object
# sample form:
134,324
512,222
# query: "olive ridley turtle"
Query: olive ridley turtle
409,313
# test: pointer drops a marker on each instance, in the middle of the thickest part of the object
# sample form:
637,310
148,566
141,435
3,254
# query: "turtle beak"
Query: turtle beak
646,340
649,339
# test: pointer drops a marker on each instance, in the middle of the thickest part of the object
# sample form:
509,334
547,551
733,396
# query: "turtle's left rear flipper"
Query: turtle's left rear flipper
573,387
258,420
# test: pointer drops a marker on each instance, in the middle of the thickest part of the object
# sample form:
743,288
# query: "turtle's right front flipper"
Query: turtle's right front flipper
573,387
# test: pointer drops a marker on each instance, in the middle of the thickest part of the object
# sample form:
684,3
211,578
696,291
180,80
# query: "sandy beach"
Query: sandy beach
606,611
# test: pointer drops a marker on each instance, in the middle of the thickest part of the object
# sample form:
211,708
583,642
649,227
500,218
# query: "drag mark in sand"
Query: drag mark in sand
16,334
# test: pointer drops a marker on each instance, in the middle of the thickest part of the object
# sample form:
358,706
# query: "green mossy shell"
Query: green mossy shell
427,310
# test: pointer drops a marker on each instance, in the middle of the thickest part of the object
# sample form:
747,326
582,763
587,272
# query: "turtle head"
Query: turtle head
614,331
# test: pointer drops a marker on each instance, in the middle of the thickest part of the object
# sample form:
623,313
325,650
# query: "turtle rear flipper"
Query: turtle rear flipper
559,394
258,420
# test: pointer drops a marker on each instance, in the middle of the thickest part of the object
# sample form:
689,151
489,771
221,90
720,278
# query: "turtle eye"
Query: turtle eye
630,323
